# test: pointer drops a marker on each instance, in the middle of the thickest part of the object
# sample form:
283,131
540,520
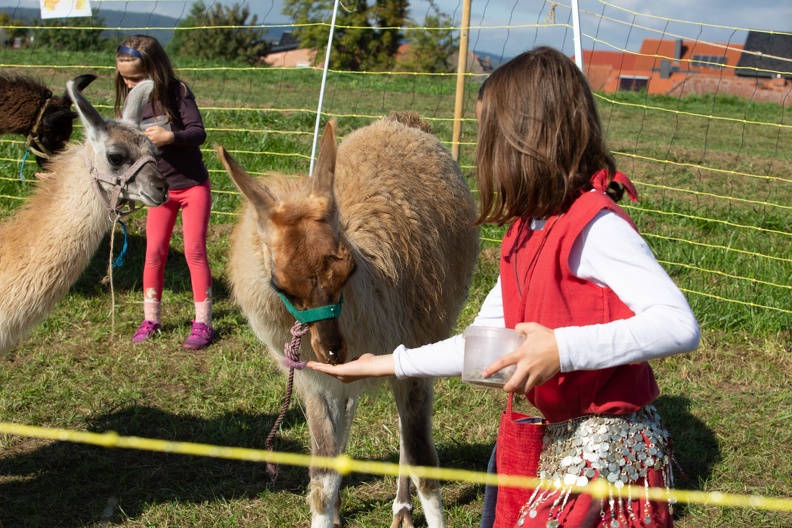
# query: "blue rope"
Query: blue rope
119,260
22,168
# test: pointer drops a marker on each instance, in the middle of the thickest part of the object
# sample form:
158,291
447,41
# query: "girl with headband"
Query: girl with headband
173,123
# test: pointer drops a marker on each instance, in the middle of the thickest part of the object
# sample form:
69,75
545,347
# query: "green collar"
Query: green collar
313,314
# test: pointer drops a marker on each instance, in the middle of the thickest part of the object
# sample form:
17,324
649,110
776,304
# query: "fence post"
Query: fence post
464,31
576,34
322,87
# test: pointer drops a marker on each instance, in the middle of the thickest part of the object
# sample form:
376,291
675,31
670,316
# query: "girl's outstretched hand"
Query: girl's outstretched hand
536,359
366,366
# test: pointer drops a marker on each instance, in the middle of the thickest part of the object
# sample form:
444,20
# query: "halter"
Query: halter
111,204
312,315
32,141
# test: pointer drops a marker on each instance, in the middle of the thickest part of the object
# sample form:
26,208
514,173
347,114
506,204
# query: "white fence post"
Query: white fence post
322,88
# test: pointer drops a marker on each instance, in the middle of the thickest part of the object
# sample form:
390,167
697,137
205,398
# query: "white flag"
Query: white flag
65,8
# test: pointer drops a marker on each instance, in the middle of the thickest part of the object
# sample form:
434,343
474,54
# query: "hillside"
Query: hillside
124,19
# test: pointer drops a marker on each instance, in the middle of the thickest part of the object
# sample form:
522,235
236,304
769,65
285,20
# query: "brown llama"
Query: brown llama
50,240
387,221
28,107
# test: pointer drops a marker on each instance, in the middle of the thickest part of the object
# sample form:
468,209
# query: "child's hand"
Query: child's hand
536,359
366,366
159,136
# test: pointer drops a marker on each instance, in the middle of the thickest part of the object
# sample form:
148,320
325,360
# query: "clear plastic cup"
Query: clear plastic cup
483,345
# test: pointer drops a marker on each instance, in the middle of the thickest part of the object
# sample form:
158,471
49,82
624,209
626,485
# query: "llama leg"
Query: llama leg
349,415
326,420
414,400
402,504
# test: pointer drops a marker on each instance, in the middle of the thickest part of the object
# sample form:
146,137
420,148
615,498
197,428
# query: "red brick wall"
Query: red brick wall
760,90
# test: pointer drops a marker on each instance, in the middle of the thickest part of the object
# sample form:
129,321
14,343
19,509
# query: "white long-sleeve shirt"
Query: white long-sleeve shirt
607,252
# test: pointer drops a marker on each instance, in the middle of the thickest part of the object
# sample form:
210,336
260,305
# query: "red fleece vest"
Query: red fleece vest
538,286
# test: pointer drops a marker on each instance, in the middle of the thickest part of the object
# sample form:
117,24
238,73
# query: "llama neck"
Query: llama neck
59,229
76,205
47,244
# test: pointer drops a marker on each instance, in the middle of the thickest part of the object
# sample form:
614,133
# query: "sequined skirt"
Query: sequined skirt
622,449
617,448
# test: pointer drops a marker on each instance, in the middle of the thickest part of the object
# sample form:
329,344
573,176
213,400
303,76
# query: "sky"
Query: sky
508,27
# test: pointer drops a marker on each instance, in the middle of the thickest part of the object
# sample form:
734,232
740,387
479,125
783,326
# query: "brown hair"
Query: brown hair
157,66
540,138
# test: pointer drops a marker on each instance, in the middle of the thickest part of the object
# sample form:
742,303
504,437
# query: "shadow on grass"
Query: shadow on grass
129,276
69,485
695,445
469,457
65,484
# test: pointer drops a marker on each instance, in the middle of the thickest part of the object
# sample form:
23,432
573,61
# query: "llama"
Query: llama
28,107
50,240
387,220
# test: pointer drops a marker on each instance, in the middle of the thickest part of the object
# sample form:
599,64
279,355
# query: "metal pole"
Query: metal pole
576,34
322,88
464,31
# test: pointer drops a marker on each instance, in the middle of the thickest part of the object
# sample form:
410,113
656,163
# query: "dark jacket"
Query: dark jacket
181,162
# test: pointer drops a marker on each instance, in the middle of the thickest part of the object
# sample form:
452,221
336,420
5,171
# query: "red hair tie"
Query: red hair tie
600,182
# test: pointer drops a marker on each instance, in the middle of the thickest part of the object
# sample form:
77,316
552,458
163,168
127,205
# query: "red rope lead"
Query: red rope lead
292,360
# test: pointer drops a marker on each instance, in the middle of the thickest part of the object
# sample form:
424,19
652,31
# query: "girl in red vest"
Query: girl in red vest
583,286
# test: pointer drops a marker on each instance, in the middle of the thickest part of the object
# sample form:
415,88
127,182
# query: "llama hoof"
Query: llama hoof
403,519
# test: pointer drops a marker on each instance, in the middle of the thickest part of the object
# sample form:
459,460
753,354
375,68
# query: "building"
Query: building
293,58
286,53
761,69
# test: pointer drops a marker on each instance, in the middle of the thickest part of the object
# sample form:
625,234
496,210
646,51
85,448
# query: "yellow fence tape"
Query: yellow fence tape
344,465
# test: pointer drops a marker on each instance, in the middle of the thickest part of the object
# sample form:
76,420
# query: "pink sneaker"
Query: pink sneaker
200,337
145,330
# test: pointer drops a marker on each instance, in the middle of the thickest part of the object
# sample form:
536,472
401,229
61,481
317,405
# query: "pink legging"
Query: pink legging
195,203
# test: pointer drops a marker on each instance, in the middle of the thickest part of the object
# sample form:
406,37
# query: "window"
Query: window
629,83
708,61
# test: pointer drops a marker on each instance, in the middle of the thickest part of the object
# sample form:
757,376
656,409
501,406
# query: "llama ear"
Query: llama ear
93,122
80,82
136,101
324,172
256,194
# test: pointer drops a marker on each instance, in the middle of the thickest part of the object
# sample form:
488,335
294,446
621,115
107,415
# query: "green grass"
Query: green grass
727,405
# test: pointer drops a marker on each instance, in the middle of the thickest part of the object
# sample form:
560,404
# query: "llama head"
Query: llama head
307,260
56,124
123,158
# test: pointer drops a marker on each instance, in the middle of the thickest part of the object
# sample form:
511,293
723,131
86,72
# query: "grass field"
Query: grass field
715,199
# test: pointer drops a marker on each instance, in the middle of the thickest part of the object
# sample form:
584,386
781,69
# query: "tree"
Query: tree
432,49
223,33
77,39
12,27
367,36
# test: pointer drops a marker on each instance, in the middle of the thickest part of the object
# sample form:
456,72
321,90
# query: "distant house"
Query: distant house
660,65
296,58
476,64
286,54
681,67
288,42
